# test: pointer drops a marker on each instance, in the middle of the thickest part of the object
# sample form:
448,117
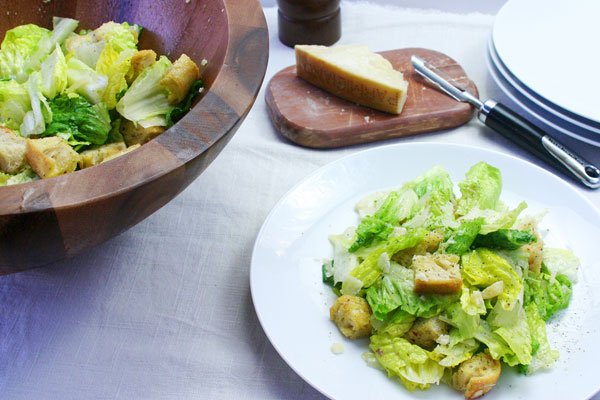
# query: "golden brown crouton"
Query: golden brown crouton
138,134
426,331
139,62
476,376
352,315
179,78
119,154
12,152
89,158
437,273
429,244
51,156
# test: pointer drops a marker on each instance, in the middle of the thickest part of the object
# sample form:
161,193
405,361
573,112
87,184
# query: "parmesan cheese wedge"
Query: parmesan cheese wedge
354,73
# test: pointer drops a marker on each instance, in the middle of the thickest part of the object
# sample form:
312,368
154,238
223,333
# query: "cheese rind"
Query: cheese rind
354,73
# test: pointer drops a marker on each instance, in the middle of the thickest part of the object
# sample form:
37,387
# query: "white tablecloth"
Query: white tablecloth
164,310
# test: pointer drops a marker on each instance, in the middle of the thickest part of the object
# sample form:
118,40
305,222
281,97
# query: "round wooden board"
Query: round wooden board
312,117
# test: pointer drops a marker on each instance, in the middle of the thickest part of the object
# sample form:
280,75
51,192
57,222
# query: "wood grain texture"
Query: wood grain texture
44,221
312,117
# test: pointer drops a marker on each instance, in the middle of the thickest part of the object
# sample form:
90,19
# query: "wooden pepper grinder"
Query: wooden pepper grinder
309,22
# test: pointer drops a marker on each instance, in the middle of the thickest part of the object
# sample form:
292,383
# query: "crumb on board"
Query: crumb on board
337,348
367,119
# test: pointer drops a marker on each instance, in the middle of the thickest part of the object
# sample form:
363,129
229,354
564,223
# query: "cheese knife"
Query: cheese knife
515,128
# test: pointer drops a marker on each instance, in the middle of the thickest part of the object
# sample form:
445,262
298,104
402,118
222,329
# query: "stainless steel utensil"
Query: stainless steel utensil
515,128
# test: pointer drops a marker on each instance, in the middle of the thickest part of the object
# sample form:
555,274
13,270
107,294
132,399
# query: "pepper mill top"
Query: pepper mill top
309,22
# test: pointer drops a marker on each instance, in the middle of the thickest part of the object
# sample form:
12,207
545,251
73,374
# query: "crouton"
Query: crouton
125,151
429,244
133,134
476,376
426,331
12,152
352,315
89,158
179,78
139,62
437,273
51,156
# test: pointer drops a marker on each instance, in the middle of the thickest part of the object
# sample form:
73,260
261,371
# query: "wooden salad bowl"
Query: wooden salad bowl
48,220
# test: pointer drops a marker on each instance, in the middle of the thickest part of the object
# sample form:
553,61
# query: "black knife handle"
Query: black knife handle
523,133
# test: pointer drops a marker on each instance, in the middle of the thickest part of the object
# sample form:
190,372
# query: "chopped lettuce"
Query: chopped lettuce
543,356
561,262
34,121
370,270
396,207
114,66
414,366
461,239
482,267
481,189
54,74
504,239
19,44
85,81
146,102
78,119
549,294
472,302
27,175
396,291
62,27
14,103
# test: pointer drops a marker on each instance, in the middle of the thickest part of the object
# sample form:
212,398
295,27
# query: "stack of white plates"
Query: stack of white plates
544,60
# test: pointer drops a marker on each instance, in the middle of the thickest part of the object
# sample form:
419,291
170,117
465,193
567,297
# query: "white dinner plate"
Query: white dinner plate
526,105
293,304
551,46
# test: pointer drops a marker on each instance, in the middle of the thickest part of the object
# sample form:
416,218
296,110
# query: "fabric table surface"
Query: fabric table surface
164,310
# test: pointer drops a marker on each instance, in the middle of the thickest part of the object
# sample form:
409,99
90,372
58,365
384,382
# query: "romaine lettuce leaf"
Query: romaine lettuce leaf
19,44
14,103
146,102
461,239
53,73
396,324
561,261
343,262
543,356
396,207
396,291
62,27
550,295
515,334
472,302
369,271
505,239
456,350
415,367
481,189
494,219
115,66
482,267
85,81
34,121
82,121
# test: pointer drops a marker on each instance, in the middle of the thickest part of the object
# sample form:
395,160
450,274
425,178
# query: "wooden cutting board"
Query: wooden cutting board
312,117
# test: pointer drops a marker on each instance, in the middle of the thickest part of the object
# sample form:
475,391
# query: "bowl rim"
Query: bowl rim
176,137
